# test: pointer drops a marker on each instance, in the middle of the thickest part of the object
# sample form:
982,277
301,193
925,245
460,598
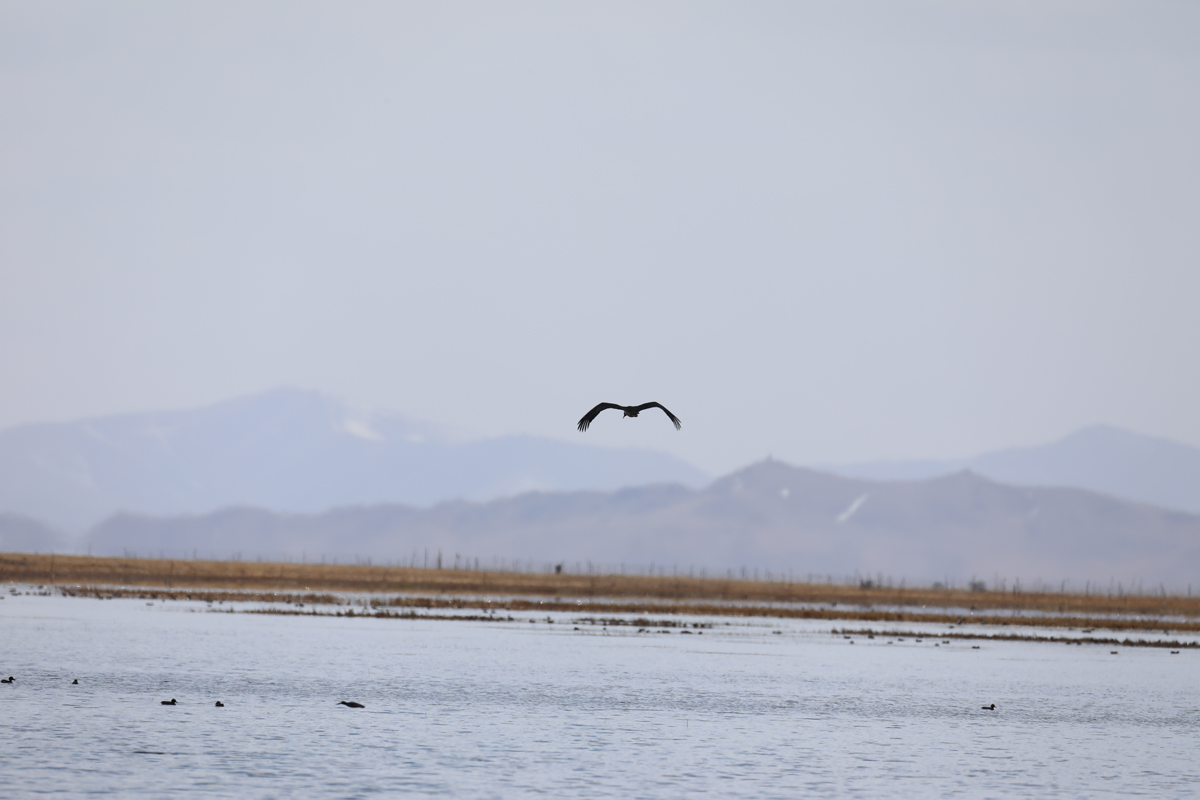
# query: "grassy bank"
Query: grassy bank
249,580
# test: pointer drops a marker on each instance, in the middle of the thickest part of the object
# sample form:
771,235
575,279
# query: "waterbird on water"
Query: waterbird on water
351,704
630,411
992,707
170,702
9,679
75,682
220,704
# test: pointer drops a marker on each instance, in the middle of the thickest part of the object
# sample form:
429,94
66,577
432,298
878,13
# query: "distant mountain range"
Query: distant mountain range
1100,458
294,474
288,450
770,516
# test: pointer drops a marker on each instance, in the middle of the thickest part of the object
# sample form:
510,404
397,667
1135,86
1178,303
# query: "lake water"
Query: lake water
517,709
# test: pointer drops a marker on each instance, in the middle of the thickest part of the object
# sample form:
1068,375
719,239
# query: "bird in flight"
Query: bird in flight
630,411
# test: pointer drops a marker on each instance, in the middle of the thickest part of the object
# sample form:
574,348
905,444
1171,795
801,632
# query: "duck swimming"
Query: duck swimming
170,702
75,682
220,704
9,679
992,707
351,704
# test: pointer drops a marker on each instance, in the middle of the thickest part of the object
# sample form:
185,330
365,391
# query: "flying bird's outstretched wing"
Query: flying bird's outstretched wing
591,415
674,418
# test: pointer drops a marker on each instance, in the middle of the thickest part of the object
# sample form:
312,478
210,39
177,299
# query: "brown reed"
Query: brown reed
868,633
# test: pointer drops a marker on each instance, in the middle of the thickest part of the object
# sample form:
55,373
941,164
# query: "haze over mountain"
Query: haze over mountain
1101,458
288,450
19,534
769,516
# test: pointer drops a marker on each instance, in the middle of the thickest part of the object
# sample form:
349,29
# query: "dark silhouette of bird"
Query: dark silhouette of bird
170,702
630,411
9,679
75,682
351,704
220,704
992,707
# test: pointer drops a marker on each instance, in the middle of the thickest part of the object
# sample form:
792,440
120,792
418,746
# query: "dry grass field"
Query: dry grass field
404,587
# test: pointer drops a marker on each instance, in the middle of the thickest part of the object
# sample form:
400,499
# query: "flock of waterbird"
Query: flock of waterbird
346,703
174,702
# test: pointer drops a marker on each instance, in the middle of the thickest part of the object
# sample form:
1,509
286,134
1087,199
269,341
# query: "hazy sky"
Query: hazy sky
829,231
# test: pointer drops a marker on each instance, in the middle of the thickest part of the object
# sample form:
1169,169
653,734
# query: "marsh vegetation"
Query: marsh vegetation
386,590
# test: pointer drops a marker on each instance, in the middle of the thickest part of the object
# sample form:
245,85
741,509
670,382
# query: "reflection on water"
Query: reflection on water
482,709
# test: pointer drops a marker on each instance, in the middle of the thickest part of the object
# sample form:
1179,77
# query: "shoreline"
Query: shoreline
691,618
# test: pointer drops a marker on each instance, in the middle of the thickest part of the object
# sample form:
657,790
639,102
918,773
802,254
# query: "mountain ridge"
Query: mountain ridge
769,515
1101,458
